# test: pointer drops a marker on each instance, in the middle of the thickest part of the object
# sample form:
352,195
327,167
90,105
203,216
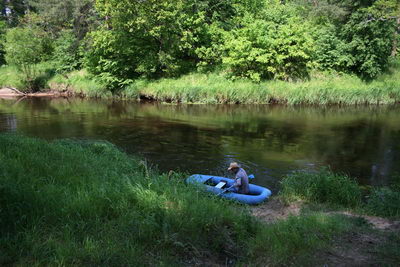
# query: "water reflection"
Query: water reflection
8,122
270,141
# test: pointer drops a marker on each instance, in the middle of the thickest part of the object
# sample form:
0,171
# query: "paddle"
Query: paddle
225,190
251,176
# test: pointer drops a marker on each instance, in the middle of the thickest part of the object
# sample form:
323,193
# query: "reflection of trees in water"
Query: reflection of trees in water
170,145
8,122
366,150
385,165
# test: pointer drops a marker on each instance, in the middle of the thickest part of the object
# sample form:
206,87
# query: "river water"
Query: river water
267,140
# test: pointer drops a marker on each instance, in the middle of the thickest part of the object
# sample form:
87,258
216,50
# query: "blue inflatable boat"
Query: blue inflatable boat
218,186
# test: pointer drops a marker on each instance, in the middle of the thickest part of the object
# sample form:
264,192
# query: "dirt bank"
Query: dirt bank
9,92
275,209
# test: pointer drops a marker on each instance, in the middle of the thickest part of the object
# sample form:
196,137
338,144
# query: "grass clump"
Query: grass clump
324,189
202,88
321,187
10,77
384,202
80,83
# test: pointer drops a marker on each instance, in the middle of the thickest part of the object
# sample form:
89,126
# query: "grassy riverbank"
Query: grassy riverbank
88,203
321,89
336,191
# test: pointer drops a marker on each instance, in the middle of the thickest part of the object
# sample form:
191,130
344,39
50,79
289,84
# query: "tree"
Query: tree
66,55
78,15
3,28
25,47
387,10
360,41
13,10
276,44
369,38
154,38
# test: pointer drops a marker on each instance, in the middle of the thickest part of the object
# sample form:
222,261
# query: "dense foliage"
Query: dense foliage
66,54
26,47
256,39
275,43
3,28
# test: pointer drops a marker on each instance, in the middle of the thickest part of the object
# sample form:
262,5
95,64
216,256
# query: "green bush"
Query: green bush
25,48
274,44
329,54
66,53
152,38
3,27
321,187
368,45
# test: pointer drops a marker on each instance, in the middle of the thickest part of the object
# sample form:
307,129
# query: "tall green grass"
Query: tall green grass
202,88
340,191
73,202
384,202
322,88
88,203
10,76
215,88
321,187
80,83
292,240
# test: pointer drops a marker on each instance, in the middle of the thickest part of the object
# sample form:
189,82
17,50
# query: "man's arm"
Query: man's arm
238,182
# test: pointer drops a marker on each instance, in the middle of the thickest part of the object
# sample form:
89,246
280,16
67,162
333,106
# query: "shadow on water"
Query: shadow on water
269,141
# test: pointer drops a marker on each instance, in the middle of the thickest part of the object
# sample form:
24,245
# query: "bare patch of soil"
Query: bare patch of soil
376,222
8,92
275,209
50,94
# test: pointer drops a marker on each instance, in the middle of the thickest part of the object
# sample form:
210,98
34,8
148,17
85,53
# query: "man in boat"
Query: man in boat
241,184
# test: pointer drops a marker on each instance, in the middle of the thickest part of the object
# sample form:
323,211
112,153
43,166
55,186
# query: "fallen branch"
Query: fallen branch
380,19
17,92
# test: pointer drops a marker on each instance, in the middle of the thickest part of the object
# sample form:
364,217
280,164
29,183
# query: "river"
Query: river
269,141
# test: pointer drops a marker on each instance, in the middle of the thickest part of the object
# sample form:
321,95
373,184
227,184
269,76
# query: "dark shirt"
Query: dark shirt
242,182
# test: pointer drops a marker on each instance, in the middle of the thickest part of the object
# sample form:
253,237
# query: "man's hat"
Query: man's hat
233,165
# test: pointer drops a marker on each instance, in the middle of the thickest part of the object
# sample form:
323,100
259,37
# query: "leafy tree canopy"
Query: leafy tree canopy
123,40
